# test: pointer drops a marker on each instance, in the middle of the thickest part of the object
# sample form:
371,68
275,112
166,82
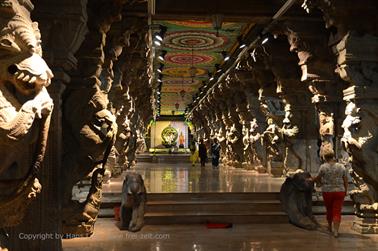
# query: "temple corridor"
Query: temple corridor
122,119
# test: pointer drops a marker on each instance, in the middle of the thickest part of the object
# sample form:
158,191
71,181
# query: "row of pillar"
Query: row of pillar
99,105
311,87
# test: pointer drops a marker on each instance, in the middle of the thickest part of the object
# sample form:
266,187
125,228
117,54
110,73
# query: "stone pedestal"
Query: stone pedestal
277,168
365,225
247,166
236,164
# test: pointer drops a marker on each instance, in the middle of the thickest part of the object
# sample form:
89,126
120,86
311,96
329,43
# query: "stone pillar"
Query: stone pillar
310,42
293,97
251,113
353,39
61,35
237,113
217,100
358,66
89,127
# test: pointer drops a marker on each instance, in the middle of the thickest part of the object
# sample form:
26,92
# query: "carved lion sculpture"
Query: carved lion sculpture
296,200
25,108
134,198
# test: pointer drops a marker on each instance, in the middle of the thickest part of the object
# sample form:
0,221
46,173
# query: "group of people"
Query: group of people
200,151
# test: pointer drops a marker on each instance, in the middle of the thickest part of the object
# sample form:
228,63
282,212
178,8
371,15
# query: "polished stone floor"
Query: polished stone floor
183,178
268,237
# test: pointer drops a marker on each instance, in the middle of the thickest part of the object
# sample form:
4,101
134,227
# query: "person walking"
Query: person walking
332,177
193,152
202,152
215,153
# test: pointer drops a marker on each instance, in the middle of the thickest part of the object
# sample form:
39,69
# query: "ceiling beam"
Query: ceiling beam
233,11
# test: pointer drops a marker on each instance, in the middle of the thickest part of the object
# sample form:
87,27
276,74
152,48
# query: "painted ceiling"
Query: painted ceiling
192,50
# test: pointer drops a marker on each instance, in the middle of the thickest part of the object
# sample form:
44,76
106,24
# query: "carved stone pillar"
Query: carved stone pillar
293,96
211,119
309,40
224,105
218,105
255,118
358,66
238,115
89,128
270,106
44,215
206,126
201,123
354,41
272,135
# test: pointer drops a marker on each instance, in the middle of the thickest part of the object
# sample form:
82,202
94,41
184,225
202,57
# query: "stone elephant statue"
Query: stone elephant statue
296,200
133,202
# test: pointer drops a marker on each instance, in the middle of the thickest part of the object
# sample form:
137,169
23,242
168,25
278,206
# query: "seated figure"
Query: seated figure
133,202
296,200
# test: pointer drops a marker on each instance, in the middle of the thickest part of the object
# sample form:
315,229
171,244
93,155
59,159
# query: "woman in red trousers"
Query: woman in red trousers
333,179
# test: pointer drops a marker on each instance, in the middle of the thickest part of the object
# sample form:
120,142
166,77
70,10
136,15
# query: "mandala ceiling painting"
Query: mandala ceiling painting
189,59
192,50
196,40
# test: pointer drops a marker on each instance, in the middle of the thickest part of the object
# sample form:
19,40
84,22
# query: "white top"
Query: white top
332,177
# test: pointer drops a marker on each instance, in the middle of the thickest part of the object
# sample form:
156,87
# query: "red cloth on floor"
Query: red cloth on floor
218,225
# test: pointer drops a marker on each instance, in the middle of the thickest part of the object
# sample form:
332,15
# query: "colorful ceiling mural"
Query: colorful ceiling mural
191,51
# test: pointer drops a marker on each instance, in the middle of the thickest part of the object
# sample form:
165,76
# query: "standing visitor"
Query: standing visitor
215,153
202,152
193,152
333,179
181,140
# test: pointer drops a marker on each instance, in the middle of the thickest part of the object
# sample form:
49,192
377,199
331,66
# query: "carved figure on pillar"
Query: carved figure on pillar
361,124
350,124
234,139
221,136
353,43
326,131
272,138
95,131
229,154
141,143
288,132
256,146
311,44
247,151
121,145
89,127
25,110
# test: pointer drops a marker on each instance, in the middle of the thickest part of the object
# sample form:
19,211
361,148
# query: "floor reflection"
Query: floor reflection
244,237
183,178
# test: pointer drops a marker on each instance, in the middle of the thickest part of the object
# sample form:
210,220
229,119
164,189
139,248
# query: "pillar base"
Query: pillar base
277,168
237,164
260,169
365,225
247,166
